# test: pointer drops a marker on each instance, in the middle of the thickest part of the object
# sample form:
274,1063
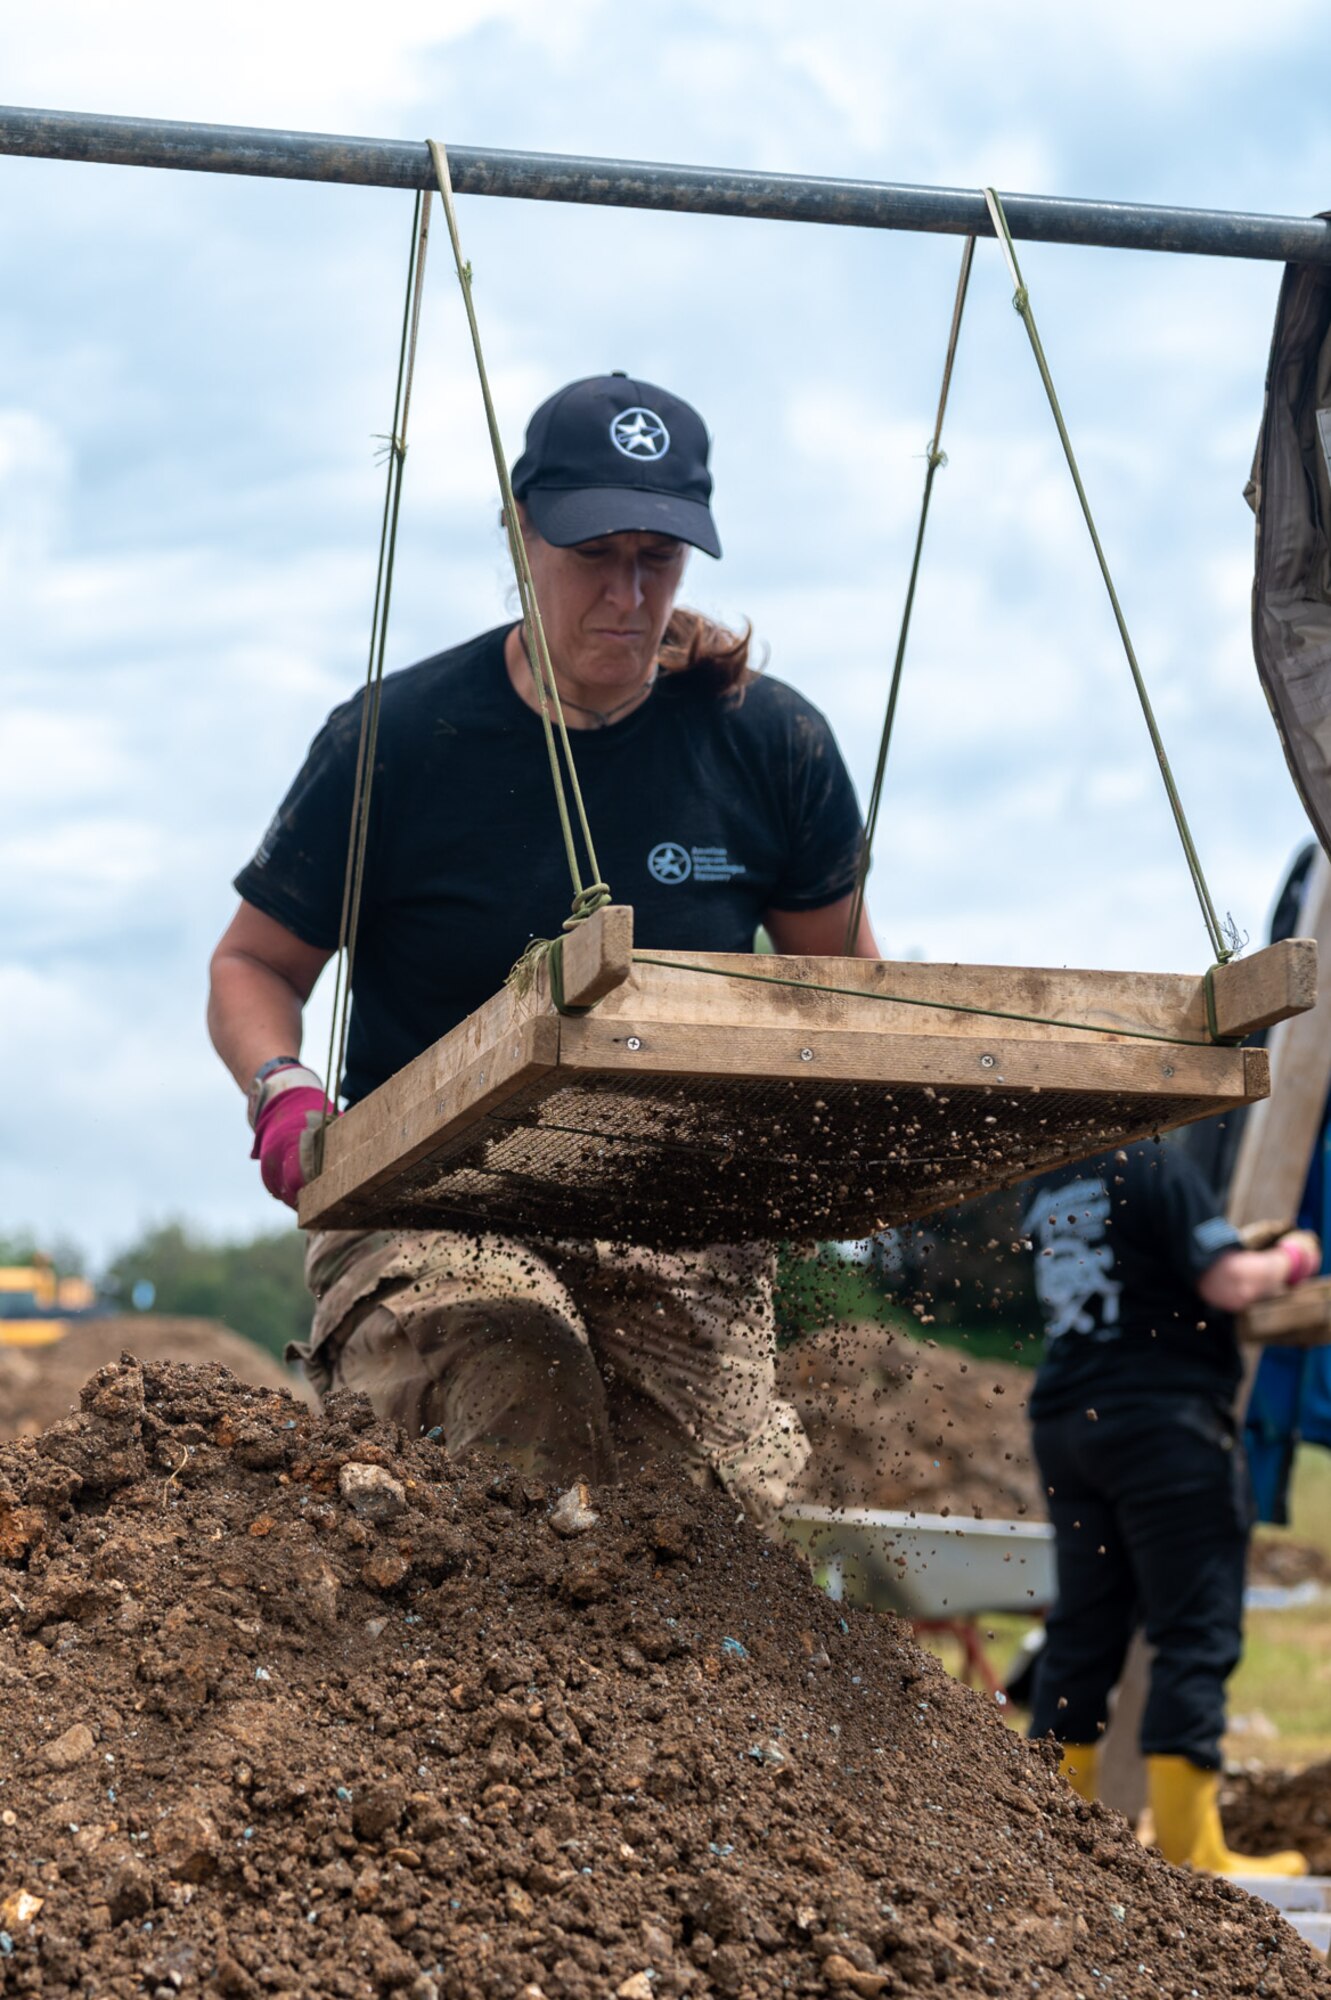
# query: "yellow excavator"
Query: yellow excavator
36,1305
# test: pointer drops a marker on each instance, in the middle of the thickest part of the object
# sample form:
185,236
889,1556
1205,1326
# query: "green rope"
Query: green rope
939,1006
358,835
936,458
1021,300
586,896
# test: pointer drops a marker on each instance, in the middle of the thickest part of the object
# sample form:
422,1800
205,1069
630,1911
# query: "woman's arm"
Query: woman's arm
261,976
820,933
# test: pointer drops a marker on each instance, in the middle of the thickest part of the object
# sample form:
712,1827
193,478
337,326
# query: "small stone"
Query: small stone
656,1942
64,1752
18,1910
573,1513
379,1810
231,1978
20,1528
129,1893
839,1972
385,1570
636,1987
371,1492
186,1840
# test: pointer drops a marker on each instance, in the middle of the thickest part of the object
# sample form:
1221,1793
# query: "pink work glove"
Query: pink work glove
1303,1253
289,1113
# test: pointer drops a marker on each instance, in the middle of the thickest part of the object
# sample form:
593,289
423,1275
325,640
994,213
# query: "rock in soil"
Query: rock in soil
445,1753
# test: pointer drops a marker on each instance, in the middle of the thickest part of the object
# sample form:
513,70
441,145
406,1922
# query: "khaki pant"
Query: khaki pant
572,1359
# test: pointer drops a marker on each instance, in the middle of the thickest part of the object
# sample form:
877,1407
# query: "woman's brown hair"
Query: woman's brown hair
694,644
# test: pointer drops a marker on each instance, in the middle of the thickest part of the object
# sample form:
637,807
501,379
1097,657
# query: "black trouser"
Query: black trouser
1151,1515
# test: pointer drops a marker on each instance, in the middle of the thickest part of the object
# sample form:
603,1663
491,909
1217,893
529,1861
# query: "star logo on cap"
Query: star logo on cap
639,434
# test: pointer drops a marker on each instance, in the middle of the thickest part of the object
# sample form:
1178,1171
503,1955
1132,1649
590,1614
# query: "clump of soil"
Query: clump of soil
39,1385
1272,1809
296,1706
1283,1562
896,1422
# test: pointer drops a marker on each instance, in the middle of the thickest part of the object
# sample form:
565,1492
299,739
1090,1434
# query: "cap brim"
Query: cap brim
580,516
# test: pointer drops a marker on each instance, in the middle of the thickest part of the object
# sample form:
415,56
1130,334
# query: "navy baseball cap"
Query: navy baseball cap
608,456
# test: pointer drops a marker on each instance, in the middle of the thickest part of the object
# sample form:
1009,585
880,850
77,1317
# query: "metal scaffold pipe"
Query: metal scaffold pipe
395,163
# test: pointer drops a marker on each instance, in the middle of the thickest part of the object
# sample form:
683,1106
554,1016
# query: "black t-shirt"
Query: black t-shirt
1120,1242
706,811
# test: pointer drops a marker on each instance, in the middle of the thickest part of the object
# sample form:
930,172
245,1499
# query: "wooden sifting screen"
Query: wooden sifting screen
686,1105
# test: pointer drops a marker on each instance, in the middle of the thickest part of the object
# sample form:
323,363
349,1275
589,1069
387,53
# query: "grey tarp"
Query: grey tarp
1291,495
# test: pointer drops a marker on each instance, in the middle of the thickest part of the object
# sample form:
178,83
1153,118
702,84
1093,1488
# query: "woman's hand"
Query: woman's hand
294,1104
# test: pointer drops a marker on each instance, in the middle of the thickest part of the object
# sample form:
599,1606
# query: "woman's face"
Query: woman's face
605,604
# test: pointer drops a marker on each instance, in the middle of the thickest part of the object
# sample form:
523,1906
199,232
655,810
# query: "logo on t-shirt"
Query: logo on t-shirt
1074,1261
669,862
639,433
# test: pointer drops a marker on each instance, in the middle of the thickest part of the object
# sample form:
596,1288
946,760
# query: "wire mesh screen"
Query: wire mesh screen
683,1161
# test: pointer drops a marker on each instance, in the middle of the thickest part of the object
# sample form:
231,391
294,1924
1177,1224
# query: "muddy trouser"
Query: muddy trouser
1150,1508
569,1359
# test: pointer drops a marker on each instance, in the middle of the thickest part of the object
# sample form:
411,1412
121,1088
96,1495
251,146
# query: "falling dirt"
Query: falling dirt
297,1707
896,1422
39,1385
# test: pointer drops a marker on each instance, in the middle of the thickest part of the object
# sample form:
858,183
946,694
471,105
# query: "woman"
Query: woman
719,801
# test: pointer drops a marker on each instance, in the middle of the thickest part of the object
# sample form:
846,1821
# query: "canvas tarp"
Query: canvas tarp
1291,495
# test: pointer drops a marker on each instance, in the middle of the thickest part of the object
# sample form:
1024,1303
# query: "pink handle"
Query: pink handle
278,1131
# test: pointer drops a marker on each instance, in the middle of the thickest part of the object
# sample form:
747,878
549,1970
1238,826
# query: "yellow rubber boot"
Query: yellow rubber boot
1076,1763
1187,1823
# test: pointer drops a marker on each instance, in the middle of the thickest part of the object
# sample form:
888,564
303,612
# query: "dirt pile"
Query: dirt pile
39,1385
295,1707
1281,1809
897,1422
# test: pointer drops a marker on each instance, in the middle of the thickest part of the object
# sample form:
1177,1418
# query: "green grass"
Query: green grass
1285,1673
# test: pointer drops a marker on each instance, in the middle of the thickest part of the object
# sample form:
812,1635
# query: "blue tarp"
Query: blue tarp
1291,1397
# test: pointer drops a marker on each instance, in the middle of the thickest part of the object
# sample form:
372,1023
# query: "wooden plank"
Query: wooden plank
1120,1768
1301,1318
1279,1136
1085,1005
401,1122
596,1042
598,955
754,1030
1271,986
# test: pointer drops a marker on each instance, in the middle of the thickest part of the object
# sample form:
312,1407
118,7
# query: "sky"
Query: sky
195,372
